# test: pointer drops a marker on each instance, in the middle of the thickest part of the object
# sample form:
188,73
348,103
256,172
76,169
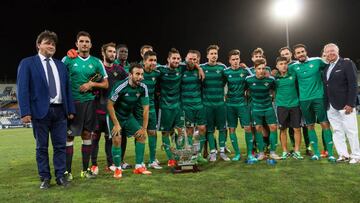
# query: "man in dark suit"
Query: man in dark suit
44,96
341,89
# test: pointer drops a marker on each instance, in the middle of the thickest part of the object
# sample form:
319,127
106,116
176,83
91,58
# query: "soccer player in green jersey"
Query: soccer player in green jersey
236,104
170,113
81,69
122,102
311,96
286,52
192,102
213,100
122,53
260,89
287,107
151,75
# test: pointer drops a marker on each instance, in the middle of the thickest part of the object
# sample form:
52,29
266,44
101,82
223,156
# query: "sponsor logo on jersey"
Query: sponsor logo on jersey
138,95
290,77
153,78
241,75
254,84
91,66
230,76
127,94
75,64
115,74
218,71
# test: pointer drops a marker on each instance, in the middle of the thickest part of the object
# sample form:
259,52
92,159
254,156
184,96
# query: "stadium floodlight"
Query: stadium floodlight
286,9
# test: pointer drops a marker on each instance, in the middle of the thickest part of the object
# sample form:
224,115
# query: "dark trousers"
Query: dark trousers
55,123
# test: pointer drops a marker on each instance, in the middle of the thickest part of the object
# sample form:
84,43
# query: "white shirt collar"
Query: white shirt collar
335,61
42,57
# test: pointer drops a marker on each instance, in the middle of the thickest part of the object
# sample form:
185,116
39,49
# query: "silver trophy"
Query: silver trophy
186,154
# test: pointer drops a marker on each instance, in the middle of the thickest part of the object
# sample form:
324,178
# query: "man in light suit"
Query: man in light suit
45,99
341,89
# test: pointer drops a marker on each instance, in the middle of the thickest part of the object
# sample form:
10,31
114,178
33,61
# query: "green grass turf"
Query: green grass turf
287,181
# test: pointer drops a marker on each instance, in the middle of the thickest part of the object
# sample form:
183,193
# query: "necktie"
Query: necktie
52,85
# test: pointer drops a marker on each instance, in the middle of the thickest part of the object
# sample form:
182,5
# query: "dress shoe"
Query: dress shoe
62,182
45,184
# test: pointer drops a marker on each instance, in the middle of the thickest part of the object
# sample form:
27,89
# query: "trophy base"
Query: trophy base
185,168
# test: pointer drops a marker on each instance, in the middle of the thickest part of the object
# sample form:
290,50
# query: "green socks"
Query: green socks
152,147
314,141
166,144
328,141
211,140
222,138
249,142
139,152
273,140
234,143
116,154
260,141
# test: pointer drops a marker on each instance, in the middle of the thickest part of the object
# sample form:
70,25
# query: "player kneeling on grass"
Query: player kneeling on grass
122,102
260,88
288,109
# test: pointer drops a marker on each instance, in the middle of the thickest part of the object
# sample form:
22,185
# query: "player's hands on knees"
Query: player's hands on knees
72,53
140,134
116,130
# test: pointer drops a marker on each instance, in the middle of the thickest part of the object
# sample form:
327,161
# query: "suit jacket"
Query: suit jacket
33,89
341,87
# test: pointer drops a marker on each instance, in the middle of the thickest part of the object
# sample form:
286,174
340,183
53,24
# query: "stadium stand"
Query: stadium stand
9,111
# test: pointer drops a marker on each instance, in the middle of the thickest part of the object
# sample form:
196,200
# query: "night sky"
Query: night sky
184,25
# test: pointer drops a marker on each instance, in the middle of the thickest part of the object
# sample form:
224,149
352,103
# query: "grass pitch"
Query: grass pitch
287,181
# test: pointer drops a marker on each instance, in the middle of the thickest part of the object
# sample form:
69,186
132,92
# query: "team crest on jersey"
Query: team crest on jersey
254,84
115,74
298,68
266,84
230,76
206,71
177,74
218,71
127,94
290,77
241,75
311,65
184,75
153,78
69,132
76,64
166,74
91,66
138,95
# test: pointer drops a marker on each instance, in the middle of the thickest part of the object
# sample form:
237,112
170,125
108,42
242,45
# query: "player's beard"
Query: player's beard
109,60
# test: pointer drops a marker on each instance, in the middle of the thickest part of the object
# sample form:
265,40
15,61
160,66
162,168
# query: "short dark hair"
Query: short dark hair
259,62
121,46
145,46
134,65
148,54
257,51
299,46
173,51
281,58
46,35
82,33
212,46
105,46
234,52
284,48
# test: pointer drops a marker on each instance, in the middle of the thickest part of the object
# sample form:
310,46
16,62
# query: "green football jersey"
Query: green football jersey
126,66
213,84
127,97
169,82
309,78
191,90
286,91
235,80
259,90
150,79
80,71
